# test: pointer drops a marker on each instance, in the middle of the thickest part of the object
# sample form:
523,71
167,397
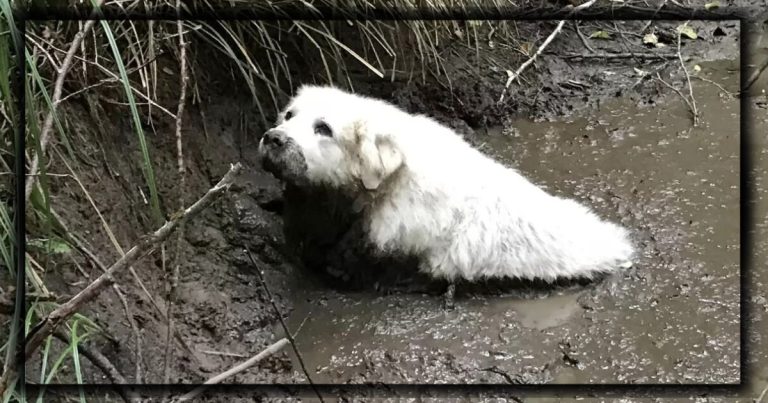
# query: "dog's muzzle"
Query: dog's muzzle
282,157
274,138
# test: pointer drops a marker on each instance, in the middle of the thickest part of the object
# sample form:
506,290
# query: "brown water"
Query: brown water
674,317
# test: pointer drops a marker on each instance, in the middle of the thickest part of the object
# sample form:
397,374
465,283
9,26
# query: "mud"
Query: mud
630,154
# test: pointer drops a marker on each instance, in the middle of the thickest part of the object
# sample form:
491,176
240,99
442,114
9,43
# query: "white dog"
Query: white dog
424,191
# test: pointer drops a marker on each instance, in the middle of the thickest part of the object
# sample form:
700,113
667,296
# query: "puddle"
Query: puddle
674,317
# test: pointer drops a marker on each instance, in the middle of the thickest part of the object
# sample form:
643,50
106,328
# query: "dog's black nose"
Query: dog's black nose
274,137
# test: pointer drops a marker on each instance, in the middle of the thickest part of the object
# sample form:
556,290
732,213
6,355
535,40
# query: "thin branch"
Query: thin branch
687,102
688,79
234,370
653,17
762,395
716,84
45,134
174,282
145,245
754,76
624,55
516,74
282,323
581,36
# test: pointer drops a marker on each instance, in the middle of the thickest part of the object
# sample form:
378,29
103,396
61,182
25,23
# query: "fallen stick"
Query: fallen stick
694,110
233,371
619,55
516,74
146,244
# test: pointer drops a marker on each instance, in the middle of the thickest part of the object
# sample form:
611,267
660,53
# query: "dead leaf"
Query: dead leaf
650,39
687,30
600,35
712,4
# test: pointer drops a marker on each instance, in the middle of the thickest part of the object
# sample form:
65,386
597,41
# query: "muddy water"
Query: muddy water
674,317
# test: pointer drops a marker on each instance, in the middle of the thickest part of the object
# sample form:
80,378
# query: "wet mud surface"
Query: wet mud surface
673,318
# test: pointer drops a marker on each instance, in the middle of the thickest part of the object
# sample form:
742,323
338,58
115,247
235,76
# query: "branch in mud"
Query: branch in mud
277,346
146,244
174,275
616,55
516,74
692,104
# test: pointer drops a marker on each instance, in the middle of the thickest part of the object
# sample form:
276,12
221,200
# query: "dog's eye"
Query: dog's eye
323,129
288,115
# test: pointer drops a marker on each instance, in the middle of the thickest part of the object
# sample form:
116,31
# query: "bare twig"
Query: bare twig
145,245
661,5
234,370
692,104
762,395
581,36
222,353
687,102
174,282
282,323
45,133
103,363
516,74
626,55
754,76
716,84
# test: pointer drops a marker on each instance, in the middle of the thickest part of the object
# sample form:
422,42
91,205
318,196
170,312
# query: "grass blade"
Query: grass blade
76,360
149,173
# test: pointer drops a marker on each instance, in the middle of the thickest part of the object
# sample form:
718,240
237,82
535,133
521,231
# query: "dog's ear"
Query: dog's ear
379,158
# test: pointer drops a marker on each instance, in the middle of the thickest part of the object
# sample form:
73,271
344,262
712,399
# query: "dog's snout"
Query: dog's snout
274,137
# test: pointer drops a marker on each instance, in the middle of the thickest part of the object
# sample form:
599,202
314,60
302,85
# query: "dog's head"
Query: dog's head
328,137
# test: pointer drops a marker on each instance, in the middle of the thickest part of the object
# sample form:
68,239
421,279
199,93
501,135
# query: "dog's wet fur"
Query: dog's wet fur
414,196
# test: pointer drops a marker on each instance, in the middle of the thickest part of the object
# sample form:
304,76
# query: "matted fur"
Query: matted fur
424,191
